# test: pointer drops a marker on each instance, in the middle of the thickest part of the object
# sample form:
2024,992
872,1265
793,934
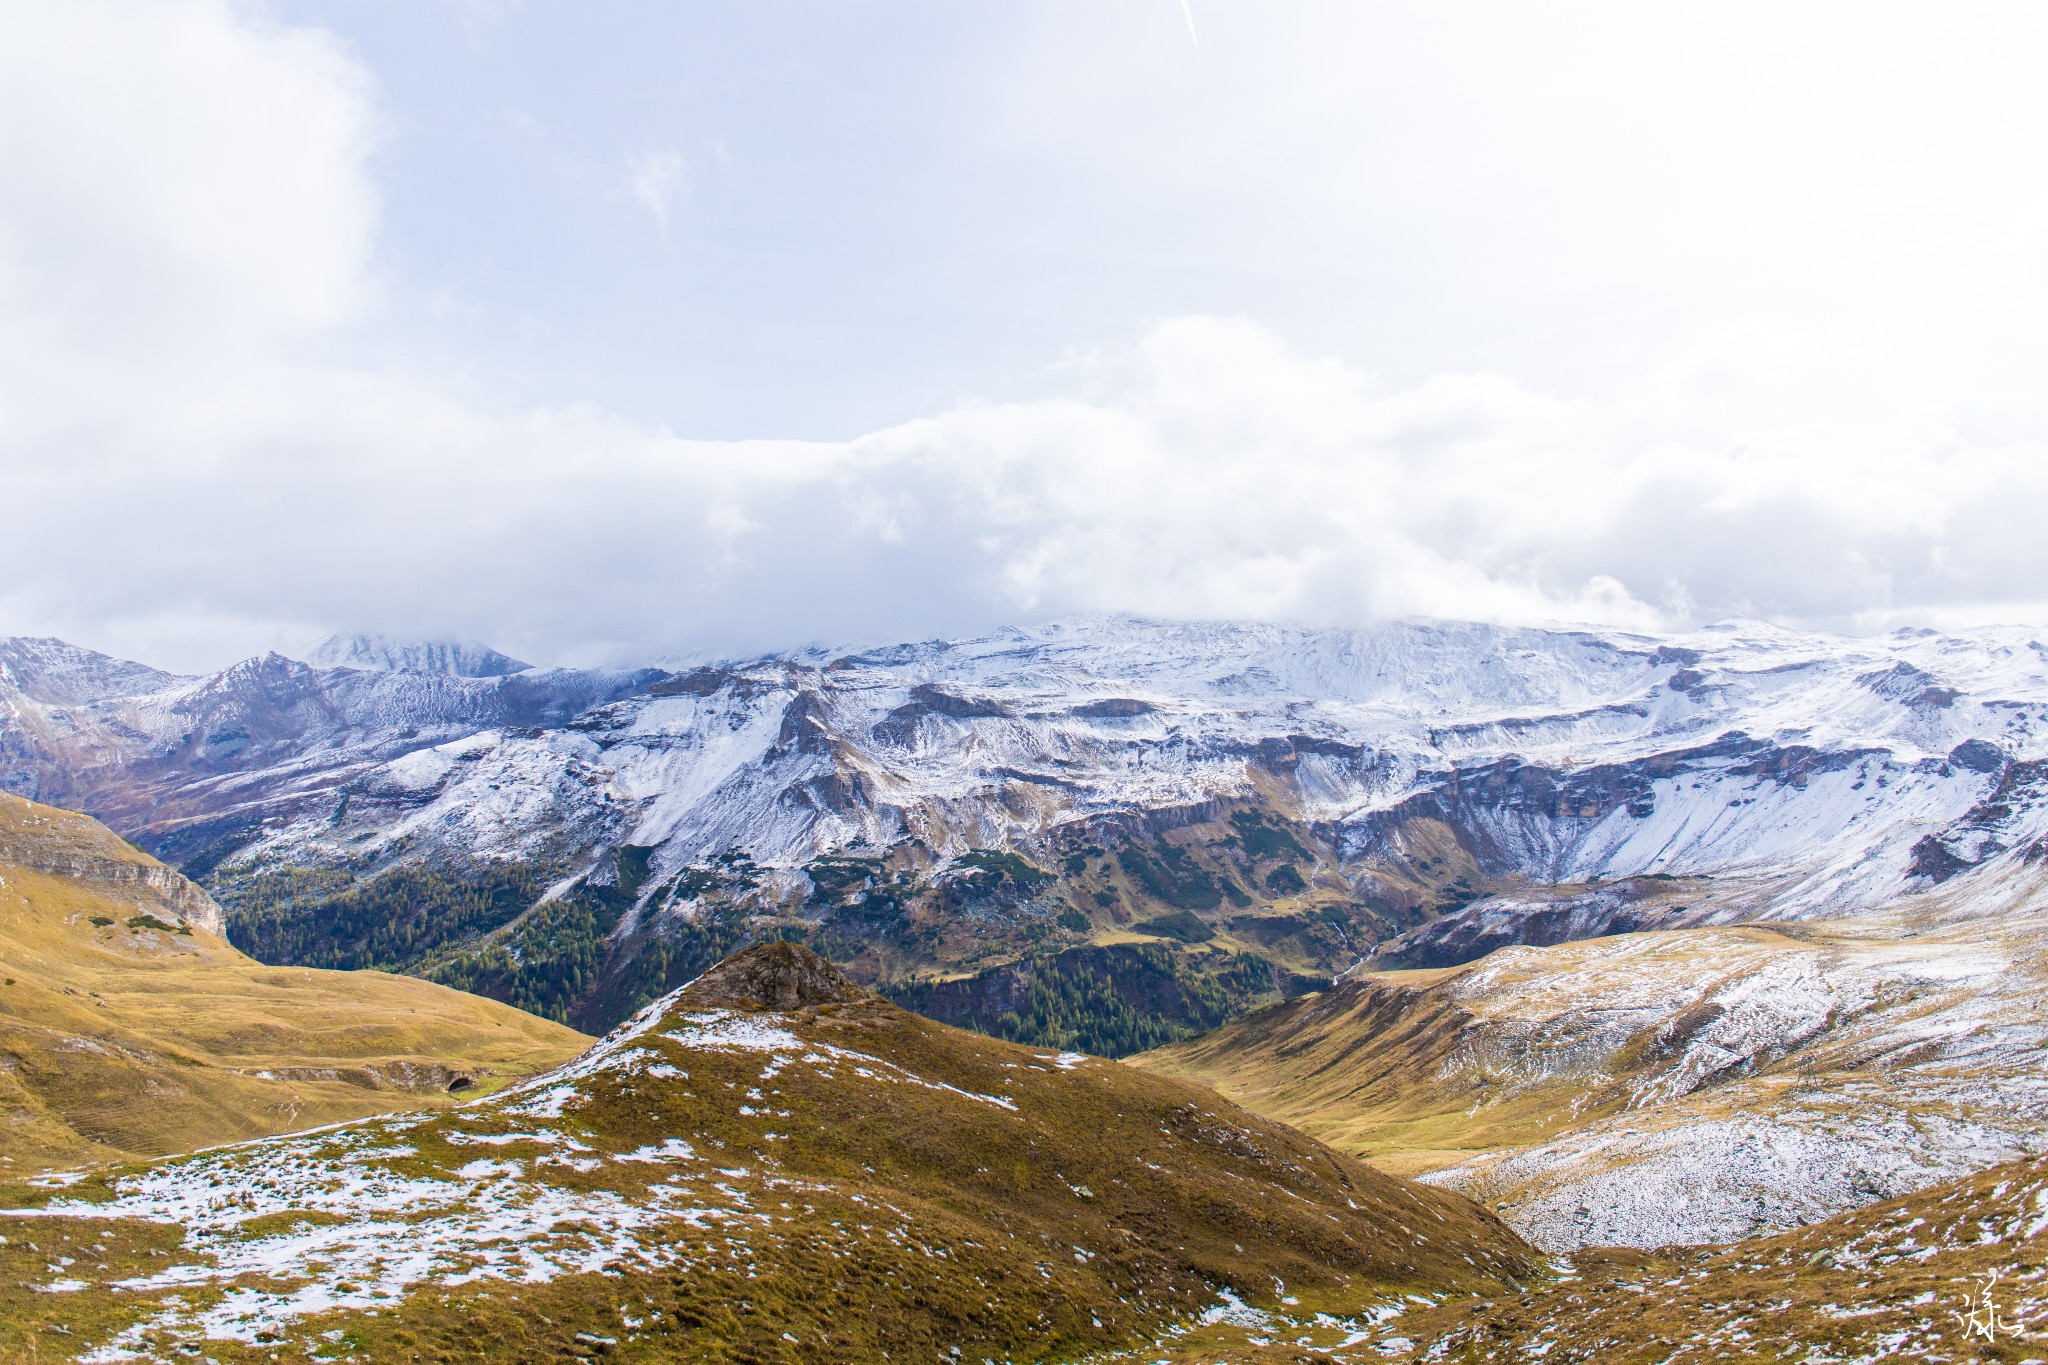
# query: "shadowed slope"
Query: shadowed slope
1354,1066
128,1026
835,1180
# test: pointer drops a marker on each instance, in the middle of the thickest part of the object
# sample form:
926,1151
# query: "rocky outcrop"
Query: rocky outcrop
151,883
772,976
60,843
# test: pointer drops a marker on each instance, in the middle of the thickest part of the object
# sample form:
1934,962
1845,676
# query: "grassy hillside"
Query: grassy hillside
1370,1067
774,1166
1950,1273
129,1027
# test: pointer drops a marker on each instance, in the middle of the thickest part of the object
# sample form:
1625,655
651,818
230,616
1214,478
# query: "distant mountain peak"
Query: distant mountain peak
383,654
62,674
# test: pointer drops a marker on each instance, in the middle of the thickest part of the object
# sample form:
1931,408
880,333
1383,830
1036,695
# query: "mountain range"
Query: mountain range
1184,818
1598,946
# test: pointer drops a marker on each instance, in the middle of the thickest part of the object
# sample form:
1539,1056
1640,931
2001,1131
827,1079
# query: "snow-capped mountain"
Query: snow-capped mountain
192,767
1821,763
53,673
456,658
1414,774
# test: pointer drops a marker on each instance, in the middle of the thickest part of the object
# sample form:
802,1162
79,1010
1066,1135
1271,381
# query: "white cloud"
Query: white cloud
199,461
179,174
656,178
1215,473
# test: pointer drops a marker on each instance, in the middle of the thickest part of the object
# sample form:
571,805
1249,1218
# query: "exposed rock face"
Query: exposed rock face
63,845
772,976
148,881
1543,918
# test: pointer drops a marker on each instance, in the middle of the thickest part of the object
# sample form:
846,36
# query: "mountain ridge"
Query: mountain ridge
383,653
1670,1086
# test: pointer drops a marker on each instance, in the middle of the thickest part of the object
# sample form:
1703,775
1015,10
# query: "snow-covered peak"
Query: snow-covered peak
60,674
382,654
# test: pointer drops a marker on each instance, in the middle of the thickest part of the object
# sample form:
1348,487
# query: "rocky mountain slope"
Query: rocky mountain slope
772,1165
1033,830
129,1027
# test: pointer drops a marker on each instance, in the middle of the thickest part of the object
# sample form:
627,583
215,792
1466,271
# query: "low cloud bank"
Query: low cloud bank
211,448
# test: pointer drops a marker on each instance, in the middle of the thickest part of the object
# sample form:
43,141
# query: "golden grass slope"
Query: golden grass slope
770,1166
1696,1085
129,1027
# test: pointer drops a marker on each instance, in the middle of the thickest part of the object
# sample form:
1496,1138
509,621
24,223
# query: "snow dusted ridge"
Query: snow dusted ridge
384,1207
51,673
1833,774
456,658
1752,1082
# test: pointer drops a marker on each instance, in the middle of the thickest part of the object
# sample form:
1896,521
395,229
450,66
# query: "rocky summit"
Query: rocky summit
772,976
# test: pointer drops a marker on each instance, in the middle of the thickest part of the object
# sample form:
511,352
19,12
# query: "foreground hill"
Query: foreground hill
129,1027
1950,1273
772,1165
1686,1086
1102,833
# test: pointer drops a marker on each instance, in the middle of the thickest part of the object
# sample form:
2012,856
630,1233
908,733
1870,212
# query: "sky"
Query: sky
621,331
